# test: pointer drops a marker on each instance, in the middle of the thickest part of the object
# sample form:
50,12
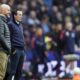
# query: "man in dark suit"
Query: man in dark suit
17,44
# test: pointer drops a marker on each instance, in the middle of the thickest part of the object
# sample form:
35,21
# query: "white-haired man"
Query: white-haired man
5,44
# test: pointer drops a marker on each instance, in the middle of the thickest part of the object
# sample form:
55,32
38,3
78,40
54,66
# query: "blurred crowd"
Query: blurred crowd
44,23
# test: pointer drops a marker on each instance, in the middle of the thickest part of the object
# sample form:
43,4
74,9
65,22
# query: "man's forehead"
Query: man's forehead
69,24
5,6
19,12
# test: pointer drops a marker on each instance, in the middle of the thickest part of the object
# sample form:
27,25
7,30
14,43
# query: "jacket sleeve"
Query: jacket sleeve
10,25
2,38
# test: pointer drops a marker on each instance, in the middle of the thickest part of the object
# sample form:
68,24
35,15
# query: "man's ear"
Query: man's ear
14,16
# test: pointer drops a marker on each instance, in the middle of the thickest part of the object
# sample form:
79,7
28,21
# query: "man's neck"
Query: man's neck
17,22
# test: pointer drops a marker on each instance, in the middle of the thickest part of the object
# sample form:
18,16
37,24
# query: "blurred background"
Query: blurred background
43,22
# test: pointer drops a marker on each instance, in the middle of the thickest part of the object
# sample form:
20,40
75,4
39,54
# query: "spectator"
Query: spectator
69,39
78,35
33,5
43,11
48,3
45,25
54,11
39,49
32,20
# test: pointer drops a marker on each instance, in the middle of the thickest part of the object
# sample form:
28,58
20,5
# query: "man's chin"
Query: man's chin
20,21
8,15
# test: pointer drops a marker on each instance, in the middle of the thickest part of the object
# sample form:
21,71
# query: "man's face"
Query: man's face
33,14
18,17
39,32
59,27
69,26
7,12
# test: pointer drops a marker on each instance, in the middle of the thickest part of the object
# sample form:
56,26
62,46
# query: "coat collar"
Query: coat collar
3,18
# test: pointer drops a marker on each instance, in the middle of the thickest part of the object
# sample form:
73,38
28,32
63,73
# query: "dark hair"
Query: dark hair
14,12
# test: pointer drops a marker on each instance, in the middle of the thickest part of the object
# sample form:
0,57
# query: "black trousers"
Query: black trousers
16,63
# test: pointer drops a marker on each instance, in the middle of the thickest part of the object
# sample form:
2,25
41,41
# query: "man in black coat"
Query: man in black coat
17,44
